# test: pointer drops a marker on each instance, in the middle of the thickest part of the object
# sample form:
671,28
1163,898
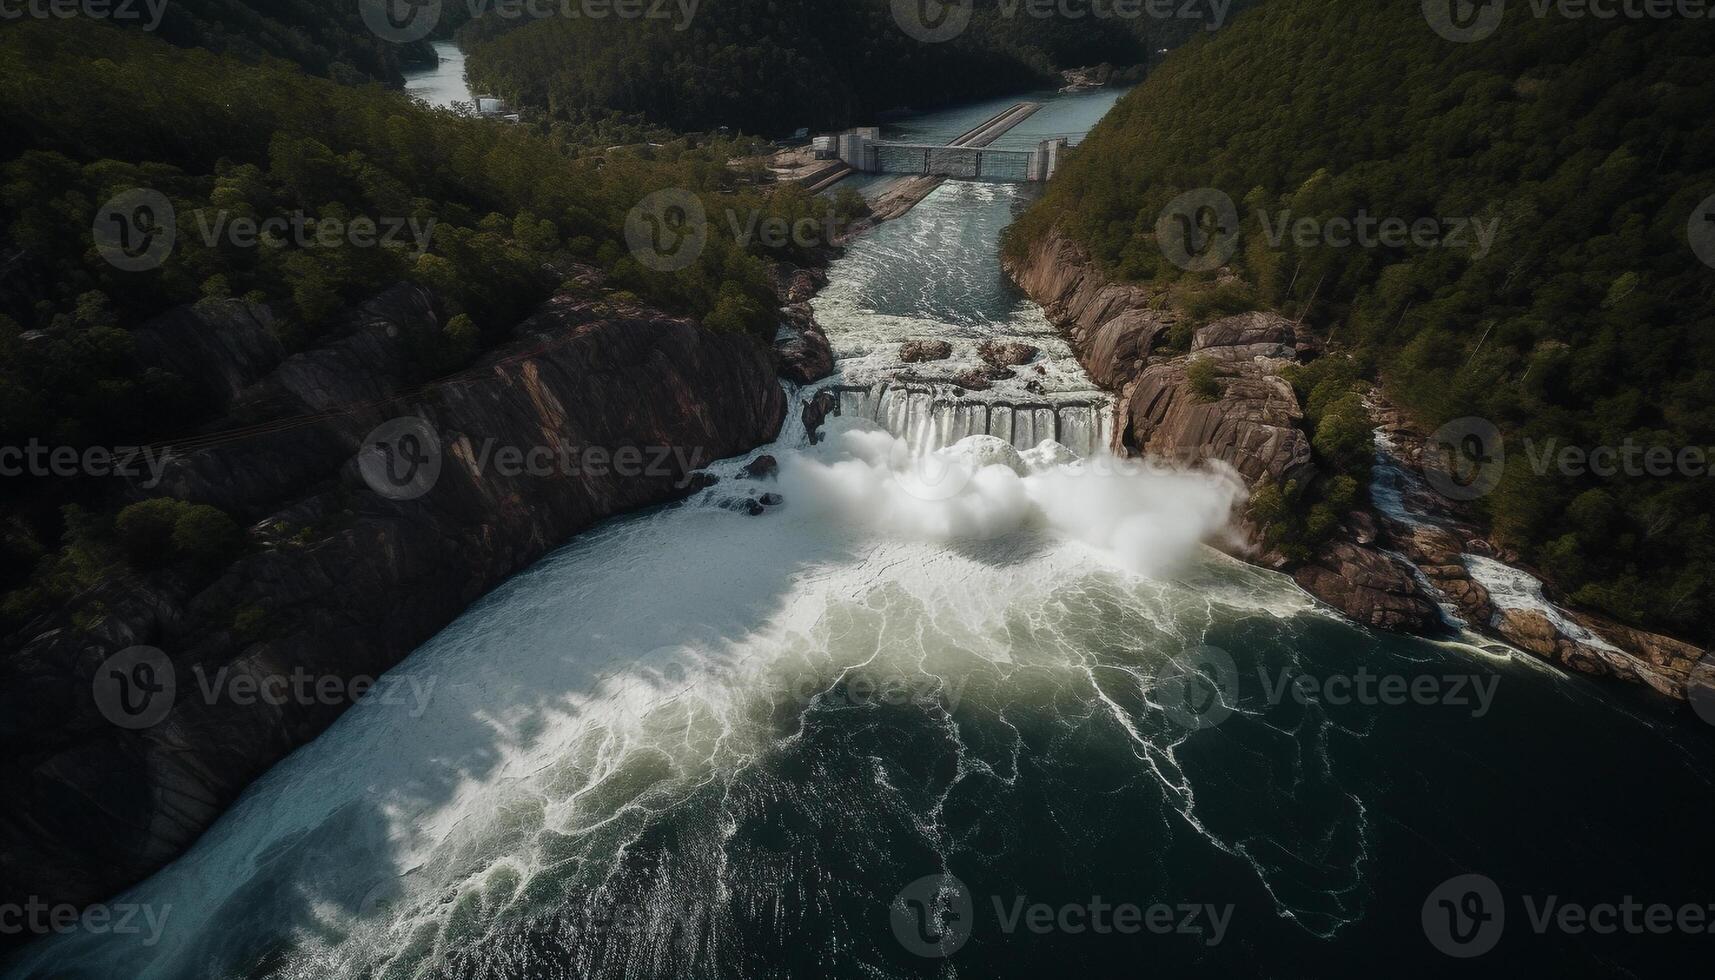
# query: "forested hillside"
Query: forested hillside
1588,321
92,111
771,66
324,37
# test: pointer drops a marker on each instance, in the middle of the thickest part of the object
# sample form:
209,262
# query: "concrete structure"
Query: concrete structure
967,157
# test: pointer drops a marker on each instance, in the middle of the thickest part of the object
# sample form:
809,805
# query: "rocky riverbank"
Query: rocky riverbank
596,406
1391,571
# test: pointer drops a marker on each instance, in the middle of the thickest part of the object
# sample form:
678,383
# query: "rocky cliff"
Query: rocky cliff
367,535
1254,424
1378,570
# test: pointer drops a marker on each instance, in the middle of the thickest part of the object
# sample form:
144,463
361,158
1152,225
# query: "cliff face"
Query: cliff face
1381,572
1255,424
589,411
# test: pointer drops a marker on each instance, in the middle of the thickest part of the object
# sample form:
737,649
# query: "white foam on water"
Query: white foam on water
548,695
1145,517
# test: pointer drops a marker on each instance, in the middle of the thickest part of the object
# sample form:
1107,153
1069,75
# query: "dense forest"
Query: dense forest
1589,321
92,111
324,37
771,66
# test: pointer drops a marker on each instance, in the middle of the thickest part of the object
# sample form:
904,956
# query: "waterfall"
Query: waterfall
933,418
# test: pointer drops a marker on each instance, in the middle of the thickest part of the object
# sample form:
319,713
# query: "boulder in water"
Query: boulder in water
918,351
762,467
1003,354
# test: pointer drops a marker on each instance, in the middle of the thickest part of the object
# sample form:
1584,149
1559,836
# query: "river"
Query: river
443,84
867,733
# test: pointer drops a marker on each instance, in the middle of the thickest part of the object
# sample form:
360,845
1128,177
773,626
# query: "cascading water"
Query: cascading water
694,743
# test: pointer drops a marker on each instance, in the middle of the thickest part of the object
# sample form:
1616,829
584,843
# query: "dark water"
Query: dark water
696,744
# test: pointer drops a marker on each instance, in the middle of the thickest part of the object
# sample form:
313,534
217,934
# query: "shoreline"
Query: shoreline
1116,332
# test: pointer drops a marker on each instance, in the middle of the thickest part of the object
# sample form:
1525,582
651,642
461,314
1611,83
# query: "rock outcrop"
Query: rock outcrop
589,411
1255,425
1368,586
802,353
920,351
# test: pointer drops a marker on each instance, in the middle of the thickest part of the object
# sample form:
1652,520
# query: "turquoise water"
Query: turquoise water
693,743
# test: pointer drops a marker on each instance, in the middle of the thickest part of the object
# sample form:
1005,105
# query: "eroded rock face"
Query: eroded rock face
355,580
218,346
1255,425
1368,587
802,353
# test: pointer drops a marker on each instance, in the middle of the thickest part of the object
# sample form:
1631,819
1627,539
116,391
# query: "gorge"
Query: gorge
696,742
